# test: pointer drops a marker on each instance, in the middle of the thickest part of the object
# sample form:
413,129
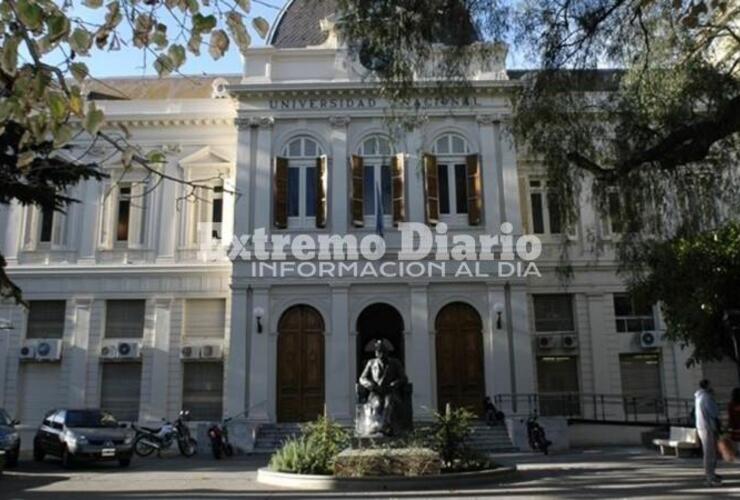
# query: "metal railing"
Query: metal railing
602,407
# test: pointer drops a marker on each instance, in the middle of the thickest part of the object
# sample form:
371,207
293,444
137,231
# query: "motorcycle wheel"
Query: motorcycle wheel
141,448
188,446
229,450
216,449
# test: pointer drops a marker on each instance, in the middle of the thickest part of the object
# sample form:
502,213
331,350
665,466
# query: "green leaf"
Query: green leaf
203,24
156,156
62,135
30,14
25,159
93,119
159,38
246,5
10,55
177,55
57,27
163,65
80,41
194,43
219,44
93,4
261,26
79,71
57,106
238,31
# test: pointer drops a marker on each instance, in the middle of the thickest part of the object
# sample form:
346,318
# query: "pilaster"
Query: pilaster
339,380
339,174
419,353
261,366
235,389
76,350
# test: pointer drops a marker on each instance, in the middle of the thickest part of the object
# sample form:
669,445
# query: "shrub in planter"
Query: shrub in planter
314,452
387,462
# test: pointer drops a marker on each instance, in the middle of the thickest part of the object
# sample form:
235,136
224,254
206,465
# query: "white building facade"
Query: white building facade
136,307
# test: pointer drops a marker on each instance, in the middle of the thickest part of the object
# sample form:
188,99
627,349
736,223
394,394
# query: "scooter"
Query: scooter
219,436
536,434
149,439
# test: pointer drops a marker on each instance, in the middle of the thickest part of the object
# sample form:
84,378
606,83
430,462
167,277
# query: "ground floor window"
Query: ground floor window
121,390
202,391
557,383
641,383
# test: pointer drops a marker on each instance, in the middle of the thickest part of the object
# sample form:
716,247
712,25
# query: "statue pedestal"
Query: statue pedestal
364,442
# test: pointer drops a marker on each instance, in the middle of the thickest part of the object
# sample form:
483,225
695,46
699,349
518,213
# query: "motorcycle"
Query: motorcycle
536,434
219,436
149,439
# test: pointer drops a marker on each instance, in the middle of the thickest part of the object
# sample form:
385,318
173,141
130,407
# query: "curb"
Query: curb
455,480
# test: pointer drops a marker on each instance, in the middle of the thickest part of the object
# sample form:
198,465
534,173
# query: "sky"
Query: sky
129,61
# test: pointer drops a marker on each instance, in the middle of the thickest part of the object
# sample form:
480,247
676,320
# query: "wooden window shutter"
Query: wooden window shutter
431,185
358,185
321,189
475,200
398,184
280,193
524,203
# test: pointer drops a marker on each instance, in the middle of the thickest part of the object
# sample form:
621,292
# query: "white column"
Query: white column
12,239
166,217
6,317
263,177
491,174
414,175
339,188
521,343
497,346
235,390
156,407
88,233
508,178
261,367
243,176
419,354
339,380
75,355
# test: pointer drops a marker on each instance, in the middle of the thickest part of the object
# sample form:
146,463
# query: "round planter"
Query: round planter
455,480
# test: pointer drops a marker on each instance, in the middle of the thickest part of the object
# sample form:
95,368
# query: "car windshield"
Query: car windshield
4,417
89,418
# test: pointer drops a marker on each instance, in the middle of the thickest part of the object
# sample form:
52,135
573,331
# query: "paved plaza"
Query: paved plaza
610,473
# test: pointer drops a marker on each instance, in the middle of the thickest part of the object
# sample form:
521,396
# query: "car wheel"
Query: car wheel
38,453
124,462
67,459
11,459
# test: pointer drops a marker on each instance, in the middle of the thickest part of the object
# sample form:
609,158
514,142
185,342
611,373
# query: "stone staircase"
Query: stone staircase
490,439
271,436
483,438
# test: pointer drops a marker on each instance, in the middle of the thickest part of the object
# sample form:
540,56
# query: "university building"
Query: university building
136,307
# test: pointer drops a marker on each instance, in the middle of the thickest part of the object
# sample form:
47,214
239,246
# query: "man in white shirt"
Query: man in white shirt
707,426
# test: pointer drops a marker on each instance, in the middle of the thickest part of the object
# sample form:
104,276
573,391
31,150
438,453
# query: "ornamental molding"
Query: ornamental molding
169,122
246,123
339,121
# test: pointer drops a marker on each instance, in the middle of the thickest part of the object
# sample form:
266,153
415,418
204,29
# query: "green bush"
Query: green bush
314,452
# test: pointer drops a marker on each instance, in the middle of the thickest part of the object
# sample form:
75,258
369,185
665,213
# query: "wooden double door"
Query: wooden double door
300,365
459,352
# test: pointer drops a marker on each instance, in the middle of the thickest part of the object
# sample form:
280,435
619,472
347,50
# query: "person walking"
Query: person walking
733,414
707,426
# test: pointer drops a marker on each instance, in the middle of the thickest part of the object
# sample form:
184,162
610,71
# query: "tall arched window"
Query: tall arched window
457,174
301,184
377,183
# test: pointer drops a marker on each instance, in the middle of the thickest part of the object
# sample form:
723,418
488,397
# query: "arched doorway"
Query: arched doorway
300,365
379,321
459,350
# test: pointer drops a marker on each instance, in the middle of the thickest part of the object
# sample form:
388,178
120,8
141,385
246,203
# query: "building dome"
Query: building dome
299,25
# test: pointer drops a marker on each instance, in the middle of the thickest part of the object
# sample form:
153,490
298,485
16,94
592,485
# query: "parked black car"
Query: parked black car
83,435
10,441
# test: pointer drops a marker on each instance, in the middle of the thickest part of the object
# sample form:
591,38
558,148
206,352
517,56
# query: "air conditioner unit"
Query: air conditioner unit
211,351
189,352
569,341
28,350
650,340
545,342
129,350
109,350
49,350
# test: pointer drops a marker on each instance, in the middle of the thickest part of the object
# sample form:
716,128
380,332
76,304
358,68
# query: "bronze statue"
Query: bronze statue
385,412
